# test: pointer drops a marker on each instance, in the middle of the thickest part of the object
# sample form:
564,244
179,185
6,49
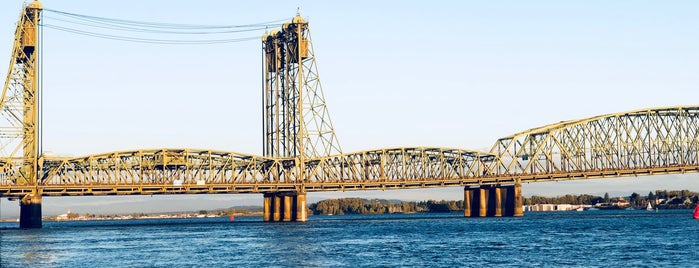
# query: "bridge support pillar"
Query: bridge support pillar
285,206
468,199
30,211
518,201
493,201
482,202
288,200
267,206
301,209
276,207
509,200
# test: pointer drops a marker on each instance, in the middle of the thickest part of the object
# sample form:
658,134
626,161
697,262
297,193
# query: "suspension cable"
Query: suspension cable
149,40
165,25
146,30
152,32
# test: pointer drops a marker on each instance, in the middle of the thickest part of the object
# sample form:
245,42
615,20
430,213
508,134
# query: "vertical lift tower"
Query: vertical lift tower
296,121
20,143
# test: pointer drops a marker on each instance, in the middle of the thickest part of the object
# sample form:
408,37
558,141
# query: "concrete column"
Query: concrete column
276,212
509,204
267,207
482,202
492,200
30,211
475,202
519,201
285,206
508,201
286,216
468,194
496,191
301,209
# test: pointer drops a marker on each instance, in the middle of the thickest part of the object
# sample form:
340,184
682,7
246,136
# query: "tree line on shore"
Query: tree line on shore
662,199
379,206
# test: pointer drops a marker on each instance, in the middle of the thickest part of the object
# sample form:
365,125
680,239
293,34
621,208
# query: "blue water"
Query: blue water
589,238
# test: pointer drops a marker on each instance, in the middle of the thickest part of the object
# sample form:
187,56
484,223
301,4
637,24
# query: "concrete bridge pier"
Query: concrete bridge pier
518,200
483,201
493,201
495,205
285,206
30,211
468,196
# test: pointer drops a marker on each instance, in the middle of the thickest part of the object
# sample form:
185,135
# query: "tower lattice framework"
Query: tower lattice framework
19,103
296,119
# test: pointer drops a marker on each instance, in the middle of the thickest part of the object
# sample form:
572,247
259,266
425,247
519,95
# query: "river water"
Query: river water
588,238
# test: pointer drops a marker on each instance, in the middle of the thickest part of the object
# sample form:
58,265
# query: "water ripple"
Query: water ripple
583,239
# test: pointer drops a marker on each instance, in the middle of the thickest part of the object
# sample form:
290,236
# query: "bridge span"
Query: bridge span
301,152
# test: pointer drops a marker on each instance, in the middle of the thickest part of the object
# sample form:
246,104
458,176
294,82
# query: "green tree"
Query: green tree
685,193
651,196
636,200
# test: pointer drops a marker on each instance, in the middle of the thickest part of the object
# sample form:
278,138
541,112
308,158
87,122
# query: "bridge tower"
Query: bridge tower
296,120
20,143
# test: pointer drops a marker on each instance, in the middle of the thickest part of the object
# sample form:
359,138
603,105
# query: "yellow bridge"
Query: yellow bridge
302,154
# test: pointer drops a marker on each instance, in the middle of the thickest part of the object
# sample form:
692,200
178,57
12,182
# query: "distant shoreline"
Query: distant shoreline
167,215
156,216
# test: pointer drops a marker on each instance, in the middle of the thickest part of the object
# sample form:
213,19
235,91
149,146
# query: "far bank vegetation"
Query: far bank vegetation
662,199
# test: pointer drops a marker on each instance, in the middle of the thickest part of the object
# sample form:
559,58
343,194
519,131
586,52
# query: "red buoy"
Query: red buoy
232,218
696,213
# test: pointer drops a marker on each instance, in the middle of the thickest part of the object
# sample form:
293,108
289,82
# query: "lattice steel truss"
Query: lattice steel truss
19,123
650,141
178,171
296,119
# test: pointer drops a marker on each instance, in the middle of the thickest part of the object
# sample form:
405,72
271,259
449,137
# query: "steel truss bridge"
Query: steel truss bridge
302,154
643,142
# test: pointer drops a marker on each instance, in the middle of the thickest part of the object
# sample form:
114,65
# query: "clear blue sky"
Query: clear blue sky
395,73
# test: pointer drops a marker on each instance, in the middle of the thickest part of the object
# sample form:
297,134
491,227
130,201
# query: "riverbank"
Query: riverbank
69,216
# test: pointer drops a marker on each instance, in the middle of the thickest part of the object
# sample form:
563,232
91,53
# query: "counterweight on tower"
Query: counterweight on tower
296,120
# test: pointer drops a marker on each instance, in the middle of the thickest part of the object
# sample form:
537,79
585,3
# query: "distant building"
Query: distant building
552,207
63,217
616,203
